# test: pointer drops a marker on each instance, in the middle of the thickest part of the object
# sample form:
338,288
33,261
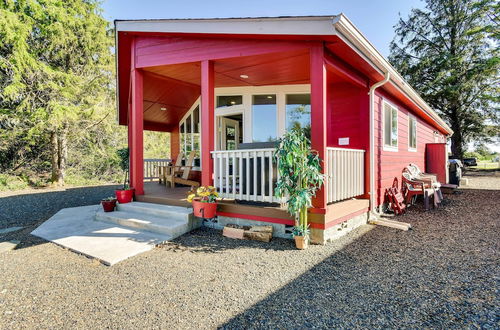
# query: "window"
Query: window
264,112
412,133
190,135
229,101
390,127
298,112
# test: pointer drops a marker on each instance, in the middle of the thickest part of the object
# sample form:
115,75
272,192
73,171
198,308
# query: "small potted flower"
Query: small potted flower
109,204
204,200
125,194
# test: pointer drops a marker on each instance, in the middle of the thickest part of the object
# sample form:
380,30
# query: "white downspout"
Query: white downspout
387,76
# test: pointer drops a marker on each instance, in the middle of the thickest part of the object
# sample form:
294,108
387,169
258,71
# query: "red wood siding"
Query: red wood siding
155,51
389,164
348,116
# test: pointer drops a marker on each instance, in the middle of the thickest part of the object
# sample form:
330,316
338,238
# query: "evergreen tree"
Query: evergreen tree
56,74
449,53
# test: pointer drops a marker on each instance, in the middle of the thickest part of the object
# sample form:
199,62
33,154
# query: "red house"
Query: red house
228,88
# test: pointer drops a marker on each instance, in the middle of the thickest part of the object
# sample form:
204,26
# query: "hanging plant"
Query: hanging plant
299,172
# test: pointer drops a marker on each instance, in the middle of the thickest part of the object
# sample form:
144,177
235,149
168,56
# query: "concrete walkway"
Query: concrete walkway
76,229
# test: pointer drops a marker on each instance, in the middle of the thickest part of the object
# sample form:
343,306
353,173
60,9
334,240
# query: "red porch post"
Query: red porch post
207,121
318,114
135,133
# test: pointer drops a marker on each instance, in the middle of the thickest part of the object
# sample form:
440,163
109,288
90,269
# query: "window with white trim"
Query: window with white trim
189,129
412,133
298,112
390,127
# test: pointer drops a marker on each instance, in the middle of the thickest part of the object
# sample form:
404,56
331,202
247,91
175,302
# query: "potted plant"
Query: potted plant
204,200
299,173
109,204
125,194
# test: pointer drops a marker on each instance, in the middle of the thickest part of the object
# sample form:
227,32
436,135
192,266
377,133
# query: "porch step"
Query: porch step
165,211
170,220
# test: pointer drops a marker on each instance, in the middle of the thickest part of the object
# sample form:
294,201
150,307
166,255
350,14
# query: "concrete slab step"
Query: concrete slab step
171,226
165,211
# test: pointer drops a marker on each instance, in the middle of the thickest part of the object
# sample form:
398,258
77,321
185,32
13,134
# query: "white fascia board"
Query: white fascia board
319,25
359,43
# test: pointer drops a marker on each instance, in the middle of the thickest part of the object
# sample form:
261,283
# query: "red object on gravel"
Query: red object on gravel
124,196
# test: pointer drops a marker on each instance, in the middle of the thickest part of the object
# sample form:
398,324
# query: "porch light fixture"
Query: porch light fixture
243,76
163,109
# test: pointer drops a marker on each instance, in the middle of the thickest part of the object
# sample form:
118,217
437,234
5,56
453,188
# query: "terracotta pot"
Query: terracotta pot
301,242
204,210
124,195
109,206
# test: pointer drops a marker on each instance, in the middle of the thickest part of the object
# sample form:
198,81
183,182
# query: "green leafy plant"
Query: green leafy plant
299,172
123,154
109,199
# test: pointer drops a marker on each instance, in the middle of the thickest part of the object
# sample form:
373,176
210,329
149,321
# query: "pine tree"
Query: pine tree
56,73
449,53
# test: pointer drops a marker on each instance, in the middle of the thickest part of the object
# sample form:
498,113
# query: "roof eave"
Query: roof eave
359,43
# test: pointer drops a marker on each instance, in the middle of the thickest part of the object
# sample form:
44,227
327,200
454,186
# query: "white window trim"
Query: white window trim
385,146
246,108
410,116
183,119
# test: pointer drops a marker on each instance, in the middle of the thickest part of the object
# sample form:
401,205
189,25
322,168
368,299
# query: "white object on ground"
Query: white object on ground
76,229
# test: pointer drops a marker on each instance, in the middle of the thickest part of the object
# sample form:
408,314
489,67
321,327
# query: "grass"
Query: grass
486,165
11,182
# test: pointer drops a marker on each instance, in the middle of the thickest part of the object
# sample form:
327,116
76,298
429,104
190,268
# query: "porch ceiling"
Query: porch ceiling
270,69
176,87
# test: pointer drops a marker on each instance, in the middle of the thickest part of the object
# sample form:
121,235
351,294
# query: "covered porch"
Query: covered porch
229,100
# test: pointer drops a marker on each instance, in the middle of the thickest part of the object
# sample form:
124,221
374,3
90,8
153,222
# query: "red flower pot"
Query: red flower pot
204,210
108,206
124,195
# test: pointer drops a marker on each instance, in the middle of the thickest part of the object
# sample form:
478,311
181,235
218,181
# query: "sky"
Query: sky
375,18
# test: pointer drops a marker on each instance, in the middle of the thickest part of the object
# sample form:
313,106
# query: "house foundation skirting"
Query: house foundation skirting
318,236
322,236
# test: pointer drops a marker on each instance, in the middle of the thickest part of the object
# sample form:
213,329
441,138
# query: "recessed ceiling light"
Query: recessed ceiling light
244,76
233,102
269,96
163,109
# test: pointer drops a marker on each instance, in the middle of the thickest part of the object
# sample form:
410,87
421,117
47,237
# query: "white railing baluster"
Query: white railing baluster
234,176
152,168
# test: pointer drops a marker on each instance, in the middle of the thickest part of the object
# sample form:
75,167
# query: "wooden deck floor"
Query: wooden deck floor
337,212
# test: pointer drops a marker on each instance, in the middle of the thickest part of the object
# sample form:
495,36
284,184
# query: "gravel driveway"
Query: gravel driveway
442,274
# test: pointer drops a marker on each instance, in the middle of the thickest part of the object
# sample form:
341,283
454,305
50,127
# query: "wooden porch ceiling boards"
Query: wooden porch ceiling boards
162,92
271,69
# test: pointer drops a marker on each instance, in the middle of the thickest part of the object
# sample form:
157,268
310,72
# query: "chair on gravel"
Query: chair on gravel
412,188
395,198
429,180
417,174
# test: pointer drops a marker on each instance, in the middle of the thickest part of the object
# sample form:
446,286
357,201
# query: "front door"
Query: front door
228,134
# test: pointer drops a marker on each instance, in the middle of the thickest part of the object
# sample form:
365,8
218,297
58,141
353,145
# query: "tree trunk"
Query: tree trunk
59,154
54,154
62,153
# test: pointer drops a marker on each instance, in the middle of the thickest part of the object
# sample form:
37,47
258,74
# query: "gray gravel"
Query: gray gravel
29,208
442,274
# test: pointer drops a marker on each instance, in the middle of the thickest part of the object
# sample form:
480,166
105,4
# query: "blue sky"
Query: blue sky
375,18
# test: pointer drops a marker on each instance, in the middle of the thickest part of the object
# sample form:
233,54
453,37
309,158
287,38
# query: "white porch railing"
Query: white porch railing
247,175
151,168
345,173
